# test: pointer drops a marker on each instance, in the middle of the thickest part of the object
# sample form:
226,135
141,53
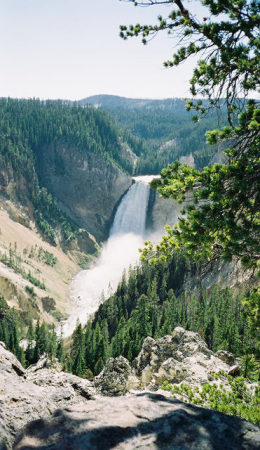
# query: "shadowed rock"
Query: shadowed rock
27,395
139,421
227,357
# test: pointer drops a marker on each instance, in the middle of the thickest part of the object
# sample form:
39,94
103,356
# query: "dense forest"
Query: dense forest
164,129
150,301
39,337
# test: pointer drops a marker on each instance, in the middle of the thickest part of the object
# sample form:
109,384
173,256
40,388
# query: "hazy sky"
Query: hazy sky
71,49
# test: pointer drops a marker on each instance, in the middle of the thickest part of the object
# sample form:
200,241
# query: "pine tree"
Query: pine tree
77,351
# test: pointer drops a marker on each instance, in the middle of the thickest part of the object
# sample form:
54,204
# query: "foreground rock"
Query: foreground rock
138,421
37,392
60,410
9,363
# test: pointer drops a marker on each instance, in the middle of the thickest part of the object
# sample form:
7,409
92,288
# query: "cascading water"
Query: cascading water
131,213
126,237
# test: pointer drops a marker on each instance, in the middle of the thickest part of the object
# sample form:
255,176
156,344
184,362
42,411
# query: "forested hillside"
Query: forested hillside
163,129
151,301
27,128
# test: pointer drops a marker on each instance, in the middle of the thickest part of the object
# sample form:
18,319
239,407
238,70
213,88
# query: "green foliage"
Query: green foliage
233,396
250,367
222,218
47,257
252,309
48,304
41,339
225,36
30,291
9,329
160,131
77,352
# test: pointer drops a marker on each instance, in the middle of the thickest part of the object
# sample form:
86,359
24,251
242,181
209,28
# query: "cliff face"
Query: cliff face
162,212
86,186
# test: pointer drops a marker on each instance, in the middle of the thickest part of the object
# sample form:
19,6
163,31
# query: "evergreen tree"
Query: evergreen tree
77,352
224,217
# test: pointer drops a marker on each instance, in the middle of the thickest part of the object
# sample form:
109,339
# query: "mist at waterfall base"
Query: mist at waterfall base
127,235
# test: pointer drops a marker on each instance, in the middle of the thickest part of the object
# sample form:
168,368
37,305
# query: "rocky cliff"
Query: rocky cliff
45,407
87,187
162,212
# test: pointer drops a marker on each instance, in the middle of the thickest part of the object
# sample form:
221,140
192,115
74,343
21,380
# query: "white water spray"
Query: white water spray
126,237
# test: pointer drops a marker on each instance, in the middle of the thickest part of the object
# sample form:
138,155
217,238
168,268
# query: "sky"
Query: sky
71,49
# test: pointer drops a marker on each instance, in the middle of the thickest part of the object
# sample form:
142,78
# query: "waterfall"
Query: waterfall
121,249
131,213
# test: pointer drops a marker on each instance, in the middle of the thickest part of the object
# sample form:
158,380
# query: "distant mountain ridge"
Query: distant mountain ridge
114,102
162,128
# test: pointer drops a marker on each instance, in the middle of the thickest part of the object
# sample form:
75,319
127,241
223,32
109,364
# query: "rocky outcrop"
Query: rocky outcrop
44,363
43,406
163,212
141,421
86,186
225,356
188,160
9,363
181,357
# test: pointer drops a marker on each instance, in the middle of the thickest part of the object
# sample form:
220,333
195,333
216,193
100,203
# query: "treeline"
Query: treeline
149,302
33,123
39,338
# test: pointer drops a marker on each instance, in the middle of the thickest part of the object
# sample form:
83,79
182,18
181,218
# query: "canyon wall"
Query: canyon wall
87,187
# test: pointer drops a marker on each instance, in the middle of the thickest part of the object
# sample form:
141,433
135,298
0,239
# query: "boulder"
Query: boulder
143,421
59,410
63,381
116,378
